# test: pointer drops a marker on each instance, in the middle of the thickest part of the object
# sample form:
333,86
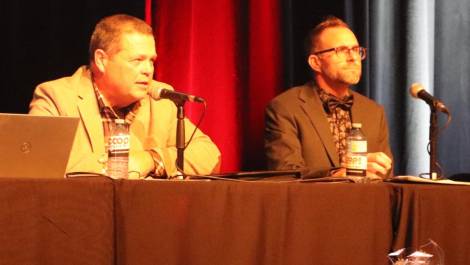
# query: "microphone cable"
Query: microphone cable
198,124
181,172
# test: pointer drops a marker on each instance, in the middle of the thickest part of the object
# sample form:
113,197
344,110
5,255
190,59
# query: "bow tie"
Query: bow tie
345,104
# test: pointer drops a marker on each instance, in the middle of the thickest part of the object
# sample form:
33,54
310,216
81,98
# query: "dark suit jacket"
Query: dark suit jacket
298,136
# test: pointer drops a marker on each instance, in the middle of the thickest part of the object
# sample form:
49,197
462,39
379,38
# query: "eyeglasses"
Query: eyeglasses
344,51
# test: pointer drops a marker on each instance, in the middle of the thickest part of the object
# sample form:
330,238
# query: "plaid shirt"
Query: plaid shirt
109,115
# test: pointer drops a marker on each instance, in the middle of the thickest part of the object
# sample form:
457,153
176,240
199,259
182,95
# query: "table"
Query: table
437,212
199,222
56,221
100,221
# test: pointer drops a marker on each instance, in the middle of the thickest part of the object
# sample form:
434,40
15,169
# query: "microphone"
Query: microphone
417,91
159,93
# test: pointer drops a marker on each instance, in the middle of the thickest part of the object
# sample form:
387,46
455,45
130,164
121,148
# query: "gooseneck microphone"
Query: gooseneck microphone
156,91
159,93
418,91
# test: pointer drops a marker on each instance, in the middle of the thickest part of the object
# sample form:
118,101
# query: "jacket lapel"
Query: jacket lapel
89,113
312,105
356,113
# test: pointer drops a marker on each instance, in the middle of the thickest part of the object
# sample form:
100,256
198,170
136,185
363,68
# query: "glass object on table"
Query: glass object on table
428,254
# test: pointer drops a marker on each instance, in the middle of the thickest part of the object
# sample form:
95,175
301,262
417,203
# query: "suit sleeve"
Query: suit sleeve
43,103
282,146
201,156
384,142
46,102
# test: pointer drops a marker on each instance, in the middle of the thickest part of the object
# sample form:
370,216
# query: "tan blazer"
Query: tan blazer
153,128
298,136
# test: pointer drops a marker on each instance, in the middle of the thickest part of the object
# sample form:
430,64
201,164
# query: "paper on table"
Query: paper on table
424,180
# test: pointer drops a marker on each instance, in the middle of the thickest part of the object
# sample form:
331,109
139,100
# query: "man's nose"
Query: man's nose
351,54
147,68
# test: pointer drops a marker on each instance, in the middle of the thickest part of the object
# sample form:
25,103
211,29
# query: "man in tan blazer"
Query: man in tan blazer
306,126
115,85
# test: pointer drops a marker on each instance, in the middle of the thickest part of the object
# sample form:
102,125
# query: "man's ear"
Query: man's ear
101,59
314,62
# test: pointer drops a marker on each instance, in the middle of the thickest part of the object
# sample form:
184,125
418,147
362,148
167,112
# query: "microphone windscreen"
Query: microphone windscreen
154,92
415,89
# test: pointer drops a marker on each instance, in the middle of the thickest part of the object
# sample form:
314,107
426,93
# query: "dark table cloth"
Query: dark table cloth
102,221
56,221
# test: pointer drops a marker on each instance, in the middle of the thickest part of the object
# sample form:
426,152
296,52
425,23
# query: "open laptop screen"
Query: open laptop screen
35,146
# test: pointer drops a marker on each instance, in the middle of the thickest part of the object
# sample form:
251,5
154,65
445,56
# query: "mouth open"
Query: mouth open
142,83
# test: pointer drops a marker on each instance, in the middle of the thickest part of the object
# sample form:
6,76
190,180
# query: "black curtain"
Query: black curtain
44,40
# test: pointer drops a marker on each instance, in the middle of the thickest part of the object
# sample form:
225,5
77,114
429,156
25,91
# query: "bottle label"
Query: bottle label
355,161
358,146
118,155
119,143
356,158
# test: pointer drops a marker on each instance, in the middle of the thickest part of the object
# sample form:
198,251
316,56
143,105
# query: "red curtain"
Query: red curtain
228,52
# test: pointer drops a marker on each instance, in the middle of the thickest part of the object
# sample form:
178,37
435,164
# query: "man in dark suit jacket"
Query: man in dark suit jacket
306,126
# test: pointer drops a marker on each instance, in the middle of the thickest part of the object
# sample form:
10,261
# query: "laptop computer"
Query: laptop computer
35,146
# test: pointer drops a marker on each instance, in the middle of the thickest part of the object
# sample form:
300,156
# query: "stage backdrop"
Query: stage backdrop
227,52
240,54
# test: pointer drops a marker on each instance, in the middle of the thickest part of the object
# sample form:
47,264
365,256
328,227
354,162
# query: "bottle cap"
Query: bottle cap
119,121
357,125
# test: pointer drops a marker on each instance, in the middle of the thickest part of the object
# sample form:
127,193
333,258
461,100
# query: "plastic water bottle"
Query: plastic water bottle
356,154
118,150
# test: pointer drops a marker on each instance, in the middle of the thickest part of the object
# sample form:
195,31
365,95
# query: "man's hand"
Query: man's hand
338,172
378,165
140,164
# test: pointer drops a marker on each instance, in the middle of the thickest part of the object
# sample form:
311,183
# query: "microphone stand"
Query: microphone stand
180,143
433,169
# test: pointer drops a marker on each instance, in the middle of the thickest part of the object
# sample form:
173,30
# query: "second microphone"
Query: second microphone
159,93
